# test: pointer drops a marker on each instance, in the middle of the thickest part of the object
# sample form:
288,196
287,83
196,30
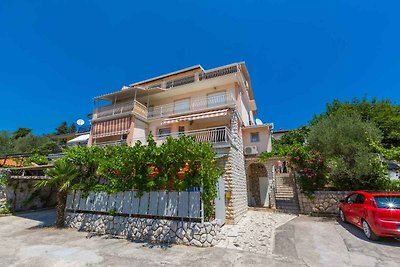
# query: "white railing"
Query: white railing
195,104
202,76
110,143
210,135
122,108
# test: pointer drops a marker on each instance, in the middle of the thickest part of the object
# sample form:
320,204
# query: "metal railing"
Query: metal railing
194,104
110,143
169,109
210,135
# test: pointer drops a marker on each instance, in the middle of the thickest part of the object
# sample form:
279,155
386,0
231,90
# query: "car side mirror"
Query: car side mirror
341,201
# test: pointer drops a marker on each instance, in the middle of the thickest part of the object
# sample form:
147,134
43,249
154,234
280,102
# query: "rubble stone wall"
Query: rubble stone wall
146,229
322,202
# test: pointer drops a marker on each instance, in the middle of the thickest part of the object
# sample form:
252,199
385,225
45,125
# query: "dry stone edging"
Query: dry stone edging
198,234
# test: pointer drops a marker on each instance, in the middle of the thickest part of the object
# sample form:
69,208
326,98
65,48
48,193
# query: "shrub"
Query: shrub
177,164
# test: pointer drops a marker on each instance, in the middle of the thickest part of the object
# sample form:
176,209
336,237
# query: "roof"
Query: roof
10,162
198,66
282,131
80,138
134,88
269,125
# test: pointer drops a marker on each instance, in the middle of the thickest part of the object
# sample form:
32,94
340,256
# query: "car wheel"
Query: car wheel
368,231
342,216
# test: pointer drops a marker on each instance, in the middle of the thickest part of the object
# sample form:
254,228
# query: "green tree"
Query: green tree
62,128
21,132
63,176
345,142
384,113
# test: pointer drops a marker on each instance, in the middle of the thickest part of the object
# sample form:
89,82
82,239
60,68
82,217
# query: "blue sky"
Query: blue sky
55,56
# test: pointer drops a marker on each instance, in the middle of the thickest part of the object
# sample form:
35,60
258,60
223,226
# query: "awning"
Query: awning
197,116
111,127
80,138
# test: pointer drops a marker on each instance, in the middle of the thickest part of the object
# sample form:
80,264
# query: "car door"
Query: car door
348,207
358,209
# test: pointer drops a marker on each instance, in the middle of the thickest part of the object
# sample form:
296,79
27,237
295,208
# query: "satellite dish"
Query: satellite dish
80,122
259,122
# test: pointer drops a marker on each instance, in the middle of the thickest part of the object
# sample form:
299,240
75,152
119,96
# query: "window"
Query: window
182,105
387,202
359,199
254,137
351,199
163,132
215,99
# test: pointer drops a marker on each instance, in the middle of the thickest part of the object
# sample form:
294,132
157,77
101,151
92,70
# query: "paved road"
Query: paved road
325,242
26,241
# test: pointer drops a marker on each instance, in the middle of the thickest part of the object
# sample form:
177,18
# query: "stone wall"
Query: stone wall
3,199
149,230
323,202
23,195
235,176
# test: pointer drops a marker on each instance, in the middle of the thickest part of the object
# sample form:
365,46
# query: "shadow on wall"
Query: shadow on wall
257,174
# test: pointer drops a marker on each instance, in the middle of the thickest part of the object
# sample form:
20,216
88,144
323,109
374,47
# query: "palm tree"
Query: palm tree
63,176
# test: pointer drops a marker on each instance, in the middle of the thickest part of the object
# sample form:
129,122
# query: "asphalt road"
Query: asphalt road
27,240
326,242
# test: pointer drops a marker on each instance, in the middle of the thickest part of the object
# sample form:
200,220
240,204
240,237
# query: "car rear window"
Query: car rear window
388,202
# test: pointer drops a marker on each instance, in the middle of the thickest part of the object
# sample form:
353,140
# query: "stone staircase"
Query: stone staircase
285,194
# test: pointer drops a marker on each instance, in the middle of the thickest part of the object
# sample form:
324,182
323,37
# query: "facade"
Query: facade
215,106
277,135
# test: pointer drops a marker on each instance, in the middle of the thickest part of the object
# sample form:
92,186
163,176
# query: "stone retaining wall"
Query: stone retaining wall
150,230
323,202
22,195
3,198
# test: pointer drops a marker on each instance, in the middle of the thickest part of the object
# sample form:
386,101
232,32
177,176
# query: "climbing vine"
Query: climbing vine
177,164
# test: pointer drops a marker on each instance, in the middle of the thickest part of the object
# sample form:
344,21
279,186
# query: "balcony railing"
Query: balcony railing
194,104
122,108
202,76
167,110
110,143
219,135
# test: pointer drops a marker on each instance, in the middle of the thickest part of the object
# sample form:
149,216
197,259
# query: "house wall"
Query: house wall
265,138
235,177
157,100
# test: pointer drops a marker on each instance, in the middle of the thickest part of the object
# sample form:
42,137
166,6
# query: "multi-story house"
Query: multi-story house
215,106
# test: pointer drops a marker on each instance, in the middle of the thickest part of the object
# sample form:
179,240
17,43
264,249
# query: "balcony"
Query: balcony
192,105
220,136
218,72
121,109
110,143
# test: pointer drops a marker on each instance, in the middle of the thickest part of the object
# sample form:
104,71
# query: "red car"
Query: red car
377,214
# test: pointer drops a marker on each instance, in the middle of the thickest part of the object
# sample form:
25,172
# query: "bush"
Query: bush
177,164
311,169
345,142
36,159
